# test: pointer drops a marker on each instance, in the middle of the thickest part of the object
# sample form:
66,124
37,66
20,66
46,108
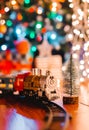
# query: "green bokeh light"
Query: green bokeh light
32,35
9,23
39,25
52,15
26,1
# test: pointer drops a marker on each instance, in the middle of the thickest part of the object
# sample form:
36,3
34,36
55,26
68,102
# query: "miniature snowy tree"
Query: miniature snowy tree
71,83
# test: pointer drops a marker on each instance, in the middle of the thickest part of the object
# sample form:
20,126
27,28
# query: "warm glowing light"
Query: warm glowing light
39,10
75,56
74,48
70,36
77,32
2,22
13,2
54,9
77,47
88,75
19,16
80,18
83,0
86,54
6,9
87,70
0,15
82,62
70,0
76,22
81,67
3,28
84,73
81,79
87,1
63,68
80,12
71,5
81,35
54,4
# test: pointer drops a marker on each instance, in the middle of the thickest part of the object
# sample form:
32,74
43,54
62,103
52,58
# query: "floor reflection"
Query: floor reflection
11,120
19,122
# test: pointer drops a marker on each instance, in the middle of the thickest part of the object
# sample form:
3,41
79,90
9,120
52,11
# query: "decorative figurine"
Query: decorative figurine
71,83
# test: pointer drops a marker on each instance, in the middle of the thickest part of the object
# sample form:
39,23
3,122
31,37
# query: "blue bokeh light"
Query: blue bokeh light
1,35
20,31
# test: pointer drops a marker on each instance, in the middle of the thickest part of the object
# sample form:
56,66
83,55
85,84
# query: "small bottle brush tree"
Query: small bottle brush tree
71,83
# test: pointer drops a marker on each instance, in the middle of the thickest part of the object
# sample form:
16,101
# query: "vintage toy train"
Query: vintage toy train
32,84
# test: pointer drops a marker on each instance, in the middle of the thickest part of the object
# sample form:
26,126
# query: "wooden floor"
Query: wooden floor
18,115
79,113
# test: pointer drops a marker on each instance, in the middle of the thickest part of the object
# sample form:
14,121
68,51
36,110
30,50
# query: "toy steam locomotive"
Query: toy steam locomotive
31,84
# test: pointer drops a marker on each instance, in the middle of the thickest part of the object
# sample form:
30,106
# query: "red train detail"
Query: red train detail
19,81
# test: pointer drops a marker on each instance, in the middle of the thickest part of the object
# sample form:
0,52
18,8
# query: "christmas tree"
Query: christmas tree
71,82
32,19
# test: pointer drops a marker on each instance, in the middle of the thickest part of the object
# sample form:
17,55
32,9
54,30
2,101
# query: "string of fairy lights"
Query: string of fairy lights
79,35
